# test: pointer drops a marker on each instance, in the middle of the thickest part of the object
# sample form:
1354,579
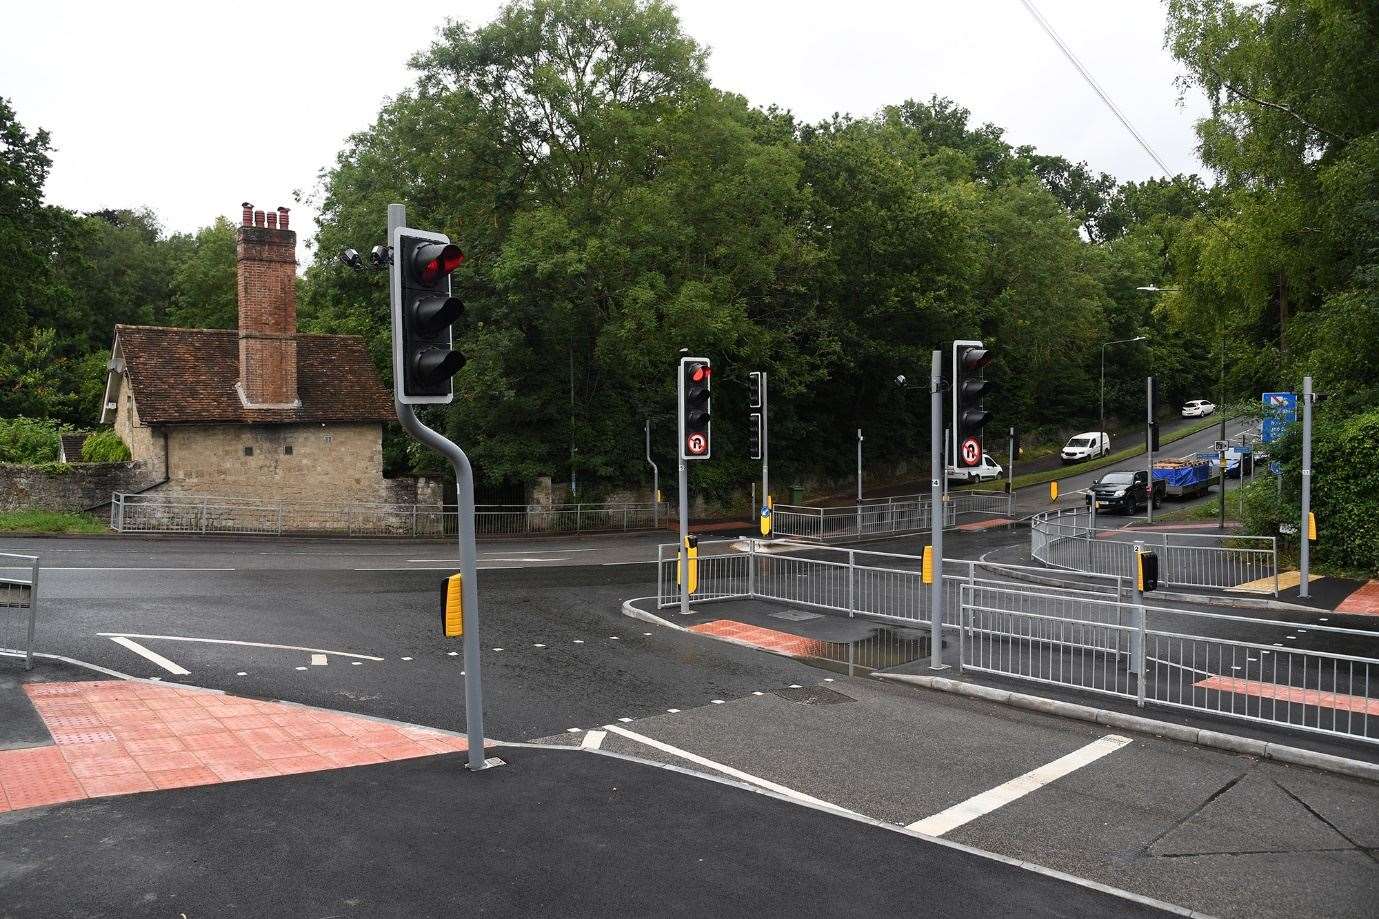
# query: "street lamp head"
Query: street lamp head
1140,338
900,379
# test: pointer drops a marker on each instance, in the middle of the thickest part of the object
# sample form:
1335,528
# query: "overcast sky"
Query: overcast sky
191,108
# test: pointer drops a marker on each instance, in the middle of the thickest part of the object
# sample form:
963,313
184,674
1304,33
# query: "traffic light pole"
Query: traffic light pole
936,484
683,551
1304,531
469,586
859,481
765,448
655,481
1149,446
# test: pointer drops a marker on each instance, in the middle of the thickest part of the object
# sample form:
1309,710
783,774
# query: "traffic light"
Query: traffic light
757,396
969,388
755,429
695,378
1153,437
423,313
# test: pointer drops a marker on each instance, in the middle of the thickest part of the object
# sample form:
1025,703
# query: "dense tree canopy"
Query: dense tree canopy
616,207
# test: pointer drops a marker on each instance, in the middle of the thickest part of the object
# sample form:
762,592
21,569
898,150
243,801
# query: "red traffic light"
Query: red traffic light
700,374
434,261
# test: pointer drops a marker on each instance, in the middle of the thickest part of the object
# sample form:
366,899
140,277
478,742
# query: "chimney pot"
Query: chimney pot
258,218
282,217
248,218
272,220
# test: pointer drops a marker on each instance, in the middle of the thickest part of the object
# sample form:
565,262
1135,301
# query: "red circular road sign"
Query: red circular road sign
697,444
971,452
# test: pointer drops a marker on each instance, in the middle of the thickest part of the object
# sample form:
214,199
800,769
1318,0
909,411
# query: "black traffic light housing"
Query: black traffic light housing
424,312
970,387
696,377
1148,574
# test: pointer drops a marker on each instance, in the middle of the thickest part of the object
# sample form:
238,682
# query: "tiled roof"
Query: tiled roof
188,376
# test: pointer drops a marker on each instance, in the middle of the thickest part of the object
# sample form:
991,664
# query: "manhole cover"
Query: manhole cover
813,695
796,615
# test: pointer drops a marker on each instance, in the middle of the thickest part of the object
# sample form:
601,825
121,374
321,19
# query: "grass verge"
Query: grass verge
50,522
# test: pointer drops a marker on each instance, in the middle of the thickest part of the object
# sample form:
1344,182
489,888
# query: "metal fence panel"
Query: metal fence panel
18,604
1070,539
238,516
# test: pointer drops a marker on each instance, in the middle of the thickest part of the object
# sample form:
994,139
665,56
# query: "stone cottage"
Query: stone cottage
262,411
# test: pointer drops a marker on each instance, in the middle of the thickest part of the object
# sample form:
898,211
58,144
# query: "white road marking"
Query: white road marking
319,660
593,739
230,641
625,720
716,701
153,656
447,568
726,770
356,663
572,730
673,711
241,673
301,668
988,801
74,568
406,658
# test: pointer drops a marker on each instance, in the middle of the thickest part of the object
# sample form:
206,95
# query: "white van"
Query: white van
1085,446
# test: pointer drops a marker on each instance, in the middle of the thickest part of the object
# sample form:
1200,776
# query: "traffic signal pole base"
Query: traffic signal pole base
488,763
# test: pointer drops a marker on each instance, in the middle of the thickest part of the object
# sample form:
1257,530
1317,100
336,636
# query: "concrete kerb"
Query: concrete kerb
1232,743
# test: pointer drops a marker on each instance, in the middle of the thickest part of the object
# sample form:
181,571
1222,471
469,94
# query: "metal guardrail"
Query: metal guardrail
1007,633
874,517
238,516
1070,539
1089,638
18,605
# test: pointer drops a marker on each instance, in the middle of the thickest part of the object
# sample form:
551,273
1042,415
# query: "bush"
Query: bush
1345,490
28,440
104,447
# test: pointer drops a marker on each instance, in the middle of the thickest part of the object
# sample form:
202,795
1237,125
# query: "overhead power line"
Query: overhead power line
1091,81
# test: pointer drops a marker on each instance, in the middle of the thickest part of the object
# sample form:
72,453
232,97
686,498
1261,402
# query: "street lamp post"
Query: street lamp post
1121,341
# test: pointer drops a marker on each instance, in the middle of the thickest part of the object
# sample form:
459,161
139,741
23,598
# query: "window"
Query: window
328,438
287,450
248,451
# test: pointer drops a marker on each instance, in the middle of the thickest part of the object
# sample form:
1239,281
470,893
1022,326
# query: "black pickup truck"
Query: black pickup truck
1123,491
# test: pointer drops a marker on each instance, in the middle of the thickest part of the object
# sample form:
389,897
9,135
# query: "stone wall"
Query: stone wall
79,487
334,464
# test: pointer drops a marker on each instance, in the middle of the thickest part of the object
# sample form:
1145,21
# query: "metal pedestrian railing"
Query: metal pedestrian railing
18,605
195,514
874,517
1089,637
1163,656
1071,539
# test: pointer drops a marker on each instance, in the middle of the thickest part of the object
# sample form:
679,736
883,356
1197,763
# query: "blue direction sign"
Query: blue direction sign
1281,411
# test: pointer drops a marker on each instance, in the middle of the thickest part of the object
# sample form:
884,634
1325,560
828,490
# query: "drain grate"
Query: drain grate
796,615
813,695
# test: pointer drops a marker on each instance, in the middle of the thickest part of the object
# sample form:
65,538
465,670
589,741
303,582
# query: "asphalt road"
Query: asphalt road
353,625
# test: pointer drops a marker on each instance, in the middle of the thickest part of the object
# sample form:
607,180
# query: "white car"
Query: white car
1085,446
1198,408
987,471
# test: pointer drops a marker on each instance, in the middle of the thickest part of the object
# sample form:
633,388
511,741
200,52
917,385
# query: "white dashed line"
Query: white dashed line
245,644
572,730
406,658
497,649
625,720
241,673
716,701
356,663
301,668
758,693
538,646
452,654
1018,787
673,711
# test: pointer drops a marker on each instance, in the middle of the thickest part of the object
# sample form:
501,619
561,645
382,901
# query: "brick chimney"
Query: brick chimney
266,255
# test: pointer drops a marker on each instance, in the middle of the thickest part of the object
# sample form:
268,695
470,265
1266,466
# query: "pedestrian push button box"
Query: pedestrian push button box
452,606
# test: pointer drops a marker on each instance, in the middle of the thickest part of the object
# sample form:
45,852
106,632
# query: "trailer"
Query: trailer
1187,476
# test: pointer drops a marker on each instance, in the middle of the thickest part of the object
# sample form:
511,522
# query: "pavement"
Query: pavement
108,820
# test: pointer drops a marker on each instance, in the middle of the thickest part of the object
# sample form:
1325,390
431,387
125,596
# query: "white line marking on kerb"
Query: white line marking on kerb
593,740
48,570
230,641
1017,788
153,656
726,770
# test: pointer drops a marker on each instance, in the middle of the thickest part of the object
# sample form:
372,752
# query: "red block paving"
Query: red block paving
984,524
759,637
1363,602
116,737
1282,693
